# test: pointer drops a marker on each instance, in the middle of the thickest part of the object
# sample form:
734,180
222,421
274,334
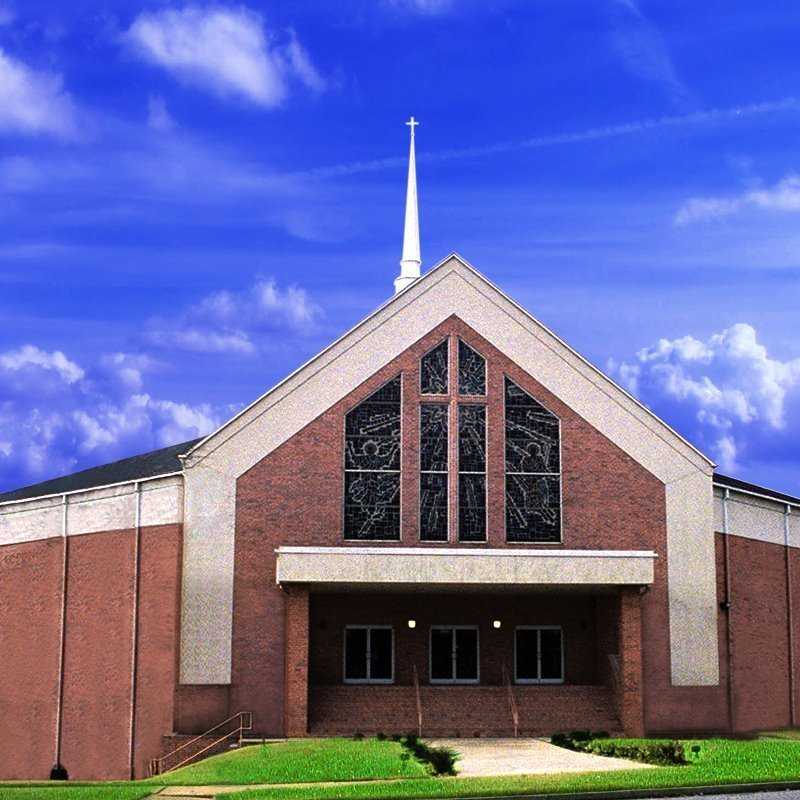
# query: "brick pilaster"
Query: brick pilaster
297,633
630,651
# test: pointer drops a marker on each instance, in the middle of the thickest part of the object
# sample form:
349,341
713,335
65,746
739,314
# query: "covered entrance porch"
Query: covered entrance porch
491,658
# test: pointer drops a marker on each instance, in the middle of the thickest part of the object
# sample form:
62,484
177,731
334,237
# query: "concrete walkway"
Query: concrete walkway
527,757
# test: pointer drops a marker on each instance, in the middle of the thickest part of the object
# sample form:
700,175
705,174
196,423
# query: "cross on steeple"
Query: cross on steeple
412,123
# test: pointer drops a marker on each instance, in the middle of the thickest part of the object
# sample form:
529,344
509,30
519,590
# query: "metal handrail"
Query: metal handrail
419,699
245,720
616,680
512,701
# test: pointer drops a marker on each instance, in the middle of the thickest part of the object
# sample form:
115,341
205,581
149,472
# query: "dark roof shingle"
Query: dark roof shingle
146,465
735,483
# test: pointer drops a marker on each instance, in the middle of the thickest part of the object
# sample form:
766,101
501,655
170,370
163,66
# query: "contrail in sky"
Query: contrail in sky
713,115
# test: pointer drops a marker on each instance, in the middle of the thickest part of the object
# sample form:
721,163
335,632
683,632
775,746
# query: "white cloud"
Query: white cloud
300,63
727,392
158,117
33,102
427,7
237,322
643,49
57,416
225,50
31,357
783,196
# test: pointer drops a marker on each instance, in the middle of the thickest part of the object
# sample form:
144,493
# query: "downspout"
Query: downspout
58,772
137,514
728,606
790,616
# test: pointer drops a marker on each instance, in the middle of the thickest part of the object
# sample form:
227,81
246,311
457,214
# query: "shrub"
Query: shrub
660,753
440,760
576,740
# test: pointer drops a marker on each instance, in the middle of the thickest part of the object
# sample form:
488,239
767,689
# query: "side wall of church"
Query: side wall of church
98,651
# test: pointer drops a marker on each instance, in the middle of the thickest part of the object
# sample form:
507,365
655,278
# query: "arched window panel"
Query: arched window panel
532,434
372,505
533,469
433,507
471,473
433,437
533,508
372,431
471,370
433,370
471,438
372,466
471,507
433,451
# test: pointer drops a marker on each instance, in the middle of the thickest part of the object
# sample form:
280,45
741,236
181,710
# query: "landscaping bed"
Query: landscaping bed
388,770
711,762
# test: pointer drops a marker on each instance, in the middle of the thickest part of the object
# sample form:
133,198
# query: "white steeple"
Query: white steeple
410,262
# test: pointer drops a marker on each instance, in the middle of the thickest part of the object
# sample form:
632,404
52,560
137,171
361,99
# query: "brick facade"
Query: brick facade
294,497
95,720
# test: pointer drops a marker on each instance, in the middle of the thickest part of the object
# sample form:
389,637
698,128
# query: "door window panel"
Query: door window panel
380,654
441,654
355,654
527,654
454,655
368,654
466,656
551,669
539,655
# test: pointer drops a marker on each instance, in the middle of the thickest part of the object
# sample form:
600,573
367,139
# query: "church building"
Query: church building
447,521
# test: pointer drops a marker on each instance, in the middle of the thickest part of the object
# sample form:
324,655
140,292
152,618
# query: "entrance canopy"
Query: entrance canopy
338,567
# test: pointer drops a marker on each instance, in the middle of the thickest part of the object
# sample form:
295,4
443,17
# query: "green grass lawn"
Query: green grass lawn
301,760
774,757
61,791
719,761
298,760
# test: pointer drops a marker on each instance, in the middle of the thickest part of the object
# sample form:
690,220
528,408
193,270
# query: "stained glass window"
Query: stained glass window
433,370
471,370
472,473
533,469
372,466
433,495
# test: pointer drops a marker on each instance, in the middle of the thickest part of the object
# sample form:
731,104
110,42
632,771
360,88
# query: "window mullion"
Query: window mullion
539,654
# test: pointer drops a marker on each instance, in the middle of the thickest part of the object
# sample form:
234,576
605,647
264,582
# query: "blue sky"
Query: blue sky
195,198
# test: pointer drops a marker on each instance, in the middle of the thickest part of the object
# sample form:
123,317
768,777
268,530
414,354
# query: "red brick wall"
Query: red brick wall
760,638
97,661
159,626
294,497
97,666
200,708
297,652
30,591
461,710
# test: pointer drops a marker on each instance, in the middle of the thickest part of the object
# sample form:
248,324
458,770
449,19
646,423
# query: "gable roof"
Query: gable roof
147,465
202,446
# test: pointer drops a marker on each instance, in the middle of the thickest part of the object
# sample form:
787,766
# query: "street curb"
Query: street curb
639,794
